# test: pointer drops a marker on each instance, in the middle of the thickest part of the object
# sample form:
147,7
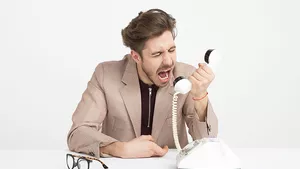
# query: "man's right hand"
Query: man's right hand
143,146
140,147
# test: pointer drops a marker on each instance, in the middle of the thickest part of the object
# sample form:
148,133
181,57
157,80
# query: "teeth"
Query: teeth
167,76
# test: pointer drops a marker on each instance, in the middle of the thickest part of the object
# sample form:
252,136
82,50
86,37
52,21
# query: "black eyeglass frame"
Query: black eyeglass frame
86,158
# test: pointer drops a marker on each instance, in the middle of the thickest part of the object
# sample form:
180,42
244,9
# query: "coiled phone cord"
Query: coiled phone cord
174,121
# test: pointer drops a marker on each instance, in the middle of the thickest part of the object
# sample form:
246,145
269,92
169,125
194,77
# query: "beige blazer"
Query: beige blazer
110,110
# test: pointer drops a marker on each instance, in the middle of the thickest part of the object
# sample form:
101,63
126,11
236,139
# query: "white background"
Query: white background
49,49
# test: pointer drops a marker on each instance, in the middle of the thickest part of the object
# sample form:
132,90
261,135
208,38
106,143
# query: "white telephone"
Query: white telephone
206,153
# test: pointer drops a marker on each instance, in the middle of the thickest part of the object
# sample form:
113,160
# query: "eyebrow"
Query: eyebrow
154,53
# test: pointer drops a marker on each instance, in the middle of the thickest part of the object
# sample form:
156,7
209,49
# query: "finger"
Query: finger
147,137
158,151
193,80
203,73
165,149
201,64
197,76
206,68
196,82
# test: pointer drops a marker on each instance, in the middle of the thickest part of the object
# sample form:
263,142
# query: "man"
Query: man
126,110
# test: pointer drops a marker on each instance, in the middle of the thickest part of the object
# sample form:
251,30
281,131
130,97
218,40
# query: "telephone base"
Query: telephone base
207,153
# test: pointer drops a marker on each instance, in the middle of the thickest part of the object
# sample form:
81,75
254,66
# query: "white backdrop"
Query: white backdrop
49,49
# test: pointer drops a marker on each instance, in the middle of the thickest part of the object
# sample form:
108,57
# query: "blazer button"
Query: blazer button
209,128
92,154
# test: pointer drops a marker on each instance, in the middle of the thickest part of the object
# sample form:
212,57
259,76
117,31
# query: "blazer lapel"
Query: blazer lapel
131,95
163,107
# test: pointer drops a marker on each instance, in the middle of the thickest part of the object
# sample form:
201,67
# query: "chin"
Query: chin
160,84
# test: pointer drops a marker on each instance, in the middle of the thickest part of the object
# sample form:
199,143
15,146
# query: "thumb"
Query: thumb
161,151
201,64
165,149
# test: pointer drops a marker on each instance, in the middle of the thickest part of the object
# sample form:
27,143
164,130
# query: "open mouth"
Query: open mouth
164,75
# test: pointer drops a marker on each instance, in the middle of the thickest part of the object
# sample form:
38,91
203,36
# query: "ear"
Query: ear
135,56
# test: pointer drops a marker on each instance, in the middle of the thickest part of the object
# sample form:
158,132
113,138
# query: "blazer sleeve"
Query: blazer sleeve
196,128
85,135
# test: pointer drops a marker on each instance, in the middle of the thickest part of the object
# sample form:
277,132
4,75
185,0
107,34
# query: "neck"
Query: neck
143,76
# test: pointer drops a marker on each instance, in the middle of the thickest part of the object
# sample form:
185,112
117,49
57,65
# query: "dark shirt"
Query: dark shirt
146,127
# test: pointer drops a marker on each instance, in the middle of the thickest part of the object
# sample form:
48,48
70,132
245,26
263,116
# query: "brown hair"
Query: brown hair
147,25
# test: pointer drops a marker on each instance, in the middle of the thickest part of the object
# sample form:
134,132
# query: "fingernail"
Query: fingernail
201,64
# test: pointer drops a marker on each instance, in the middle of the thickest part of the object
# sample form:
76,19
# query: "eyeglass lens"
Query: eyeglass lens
81,163
70,162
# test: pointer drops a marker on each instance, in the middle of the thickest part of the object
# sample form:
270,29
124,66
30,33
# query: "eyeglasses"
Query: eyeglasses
83,162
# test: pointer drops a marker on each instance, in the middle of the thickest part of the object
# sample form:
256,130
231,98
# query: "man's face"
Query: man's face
158,59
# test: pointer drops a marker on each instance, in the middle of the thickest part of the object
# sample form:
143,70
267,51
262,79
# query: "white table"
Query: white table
47,159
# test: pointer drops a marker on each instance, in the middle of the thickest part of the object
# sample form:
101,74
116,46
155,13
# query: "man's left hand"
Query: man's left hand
201,79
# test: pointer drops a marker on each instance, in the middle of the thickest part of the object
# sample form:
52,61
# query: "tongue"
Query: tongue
163,74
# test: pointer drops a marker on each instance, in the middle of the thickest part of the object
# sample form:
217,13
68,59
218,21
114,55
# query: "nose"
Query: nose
167,60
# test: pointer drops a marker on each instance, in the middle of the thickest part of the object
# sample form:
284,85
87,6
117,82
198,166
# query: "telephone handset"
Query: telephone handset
206,153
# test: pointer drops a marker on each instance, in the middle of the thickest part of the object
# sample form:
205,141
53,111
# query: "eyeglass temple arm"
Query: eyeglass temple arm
91,158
